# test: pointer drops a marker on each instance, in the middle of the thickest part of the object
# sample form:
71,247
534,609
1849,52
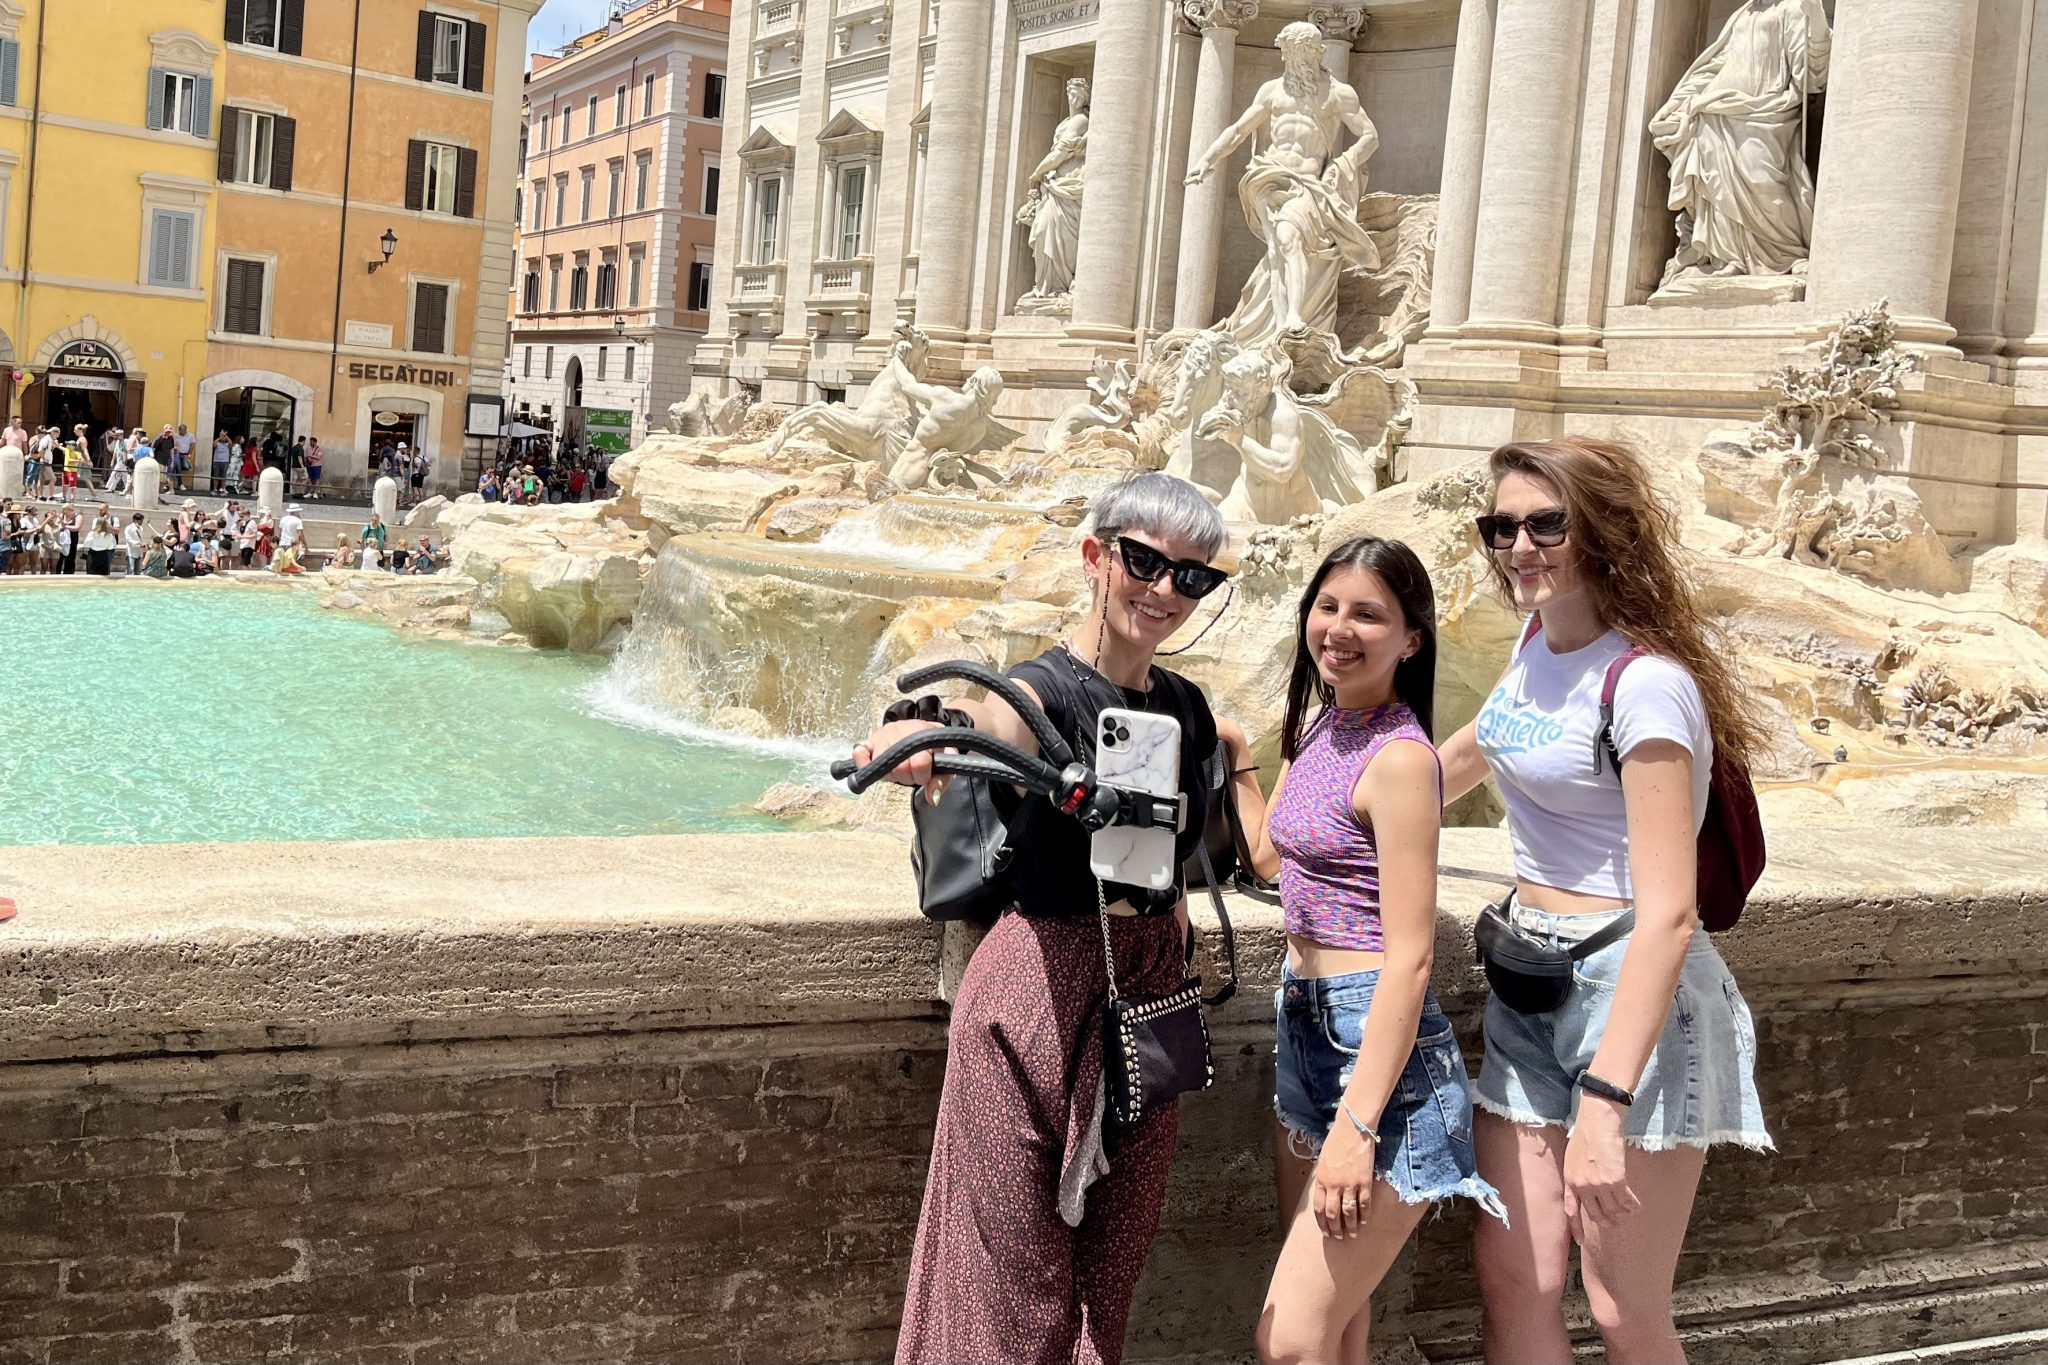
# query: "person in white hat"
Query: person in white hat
292,530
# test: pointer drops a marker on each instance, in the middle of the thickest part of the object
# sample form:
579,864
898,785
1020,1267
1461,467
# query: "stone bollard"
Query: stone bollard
148,487
270,491
11,462
384,500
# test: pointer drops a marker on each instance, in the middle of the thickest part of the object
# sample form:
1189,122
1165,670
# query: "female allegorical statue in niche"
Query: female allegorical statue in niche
1052,210
1735,130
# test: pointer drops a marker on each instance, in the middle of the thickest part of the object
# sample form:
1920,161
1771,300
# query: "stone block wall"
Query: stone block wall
593,1170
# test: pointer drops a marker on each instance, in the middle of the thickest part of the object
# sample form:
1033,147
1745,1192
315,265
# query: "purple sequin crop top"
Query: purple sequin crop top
1329,866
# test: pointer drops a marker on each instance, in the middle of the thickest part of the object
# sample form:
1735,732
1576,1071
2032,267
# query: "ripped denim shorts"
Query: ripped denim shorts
1699,1086
1425,1151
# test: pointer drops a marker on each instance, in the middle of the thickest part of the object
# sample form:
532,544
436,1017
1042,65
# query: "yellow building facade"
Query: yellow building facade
108,145
364,174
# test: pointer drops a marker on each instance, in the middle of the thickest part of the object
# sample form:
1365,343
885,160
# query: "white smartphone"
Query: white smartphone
1137,751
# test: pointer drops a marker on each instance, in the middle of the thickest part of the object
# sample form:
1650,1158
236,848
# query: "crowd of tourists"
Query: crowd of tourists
573,475
1617,1048
61,468
191,543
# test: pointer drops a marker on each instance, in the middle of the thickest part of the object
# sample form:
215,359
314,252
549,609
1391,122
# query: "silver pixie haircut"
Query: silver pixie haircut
1165,506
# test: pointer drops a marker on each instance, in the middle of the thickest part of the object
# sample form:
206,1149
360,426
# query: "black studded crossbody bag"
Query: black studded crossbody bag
1156,1048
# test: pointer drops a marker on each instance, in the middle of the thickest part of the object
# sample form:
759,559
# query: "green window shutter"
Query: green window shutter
202,107
181,251
156,98
10,71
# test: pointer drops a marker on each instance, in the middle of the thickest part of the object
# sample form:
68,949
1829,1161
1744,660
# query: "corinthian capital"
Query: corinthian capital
1339,23
1232,14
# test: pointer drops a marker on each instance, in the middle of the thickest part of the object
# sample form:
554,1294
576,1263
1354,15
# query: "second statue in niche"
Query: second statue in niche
1052,209
1735,131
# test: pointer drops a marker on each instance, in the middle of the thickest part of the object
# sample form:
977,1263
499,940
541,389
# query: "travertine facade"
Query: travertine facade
619,196
880,154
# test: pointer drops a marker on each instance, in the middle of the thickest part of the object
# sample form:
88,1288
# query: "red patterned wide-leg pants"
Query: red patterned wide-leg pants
997,1277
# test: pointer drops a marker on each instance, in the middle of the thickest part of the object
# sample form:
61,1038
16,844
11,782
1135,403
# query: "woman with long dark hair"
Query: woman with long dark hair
1598,1113
1374,1112
1034,1231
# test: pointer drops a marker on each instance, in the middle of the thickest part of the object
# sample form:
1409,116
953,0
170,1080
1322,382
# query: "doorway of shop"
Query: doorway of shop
95,409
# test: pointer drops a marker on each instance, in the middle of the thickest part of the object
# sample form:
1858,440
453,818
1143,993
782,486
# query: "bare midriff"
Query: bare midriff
1308,959
1555,900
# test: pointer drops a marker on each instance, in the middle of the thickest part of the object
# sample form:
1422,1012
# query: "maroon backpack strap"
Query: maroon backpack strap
1603,738
1529,631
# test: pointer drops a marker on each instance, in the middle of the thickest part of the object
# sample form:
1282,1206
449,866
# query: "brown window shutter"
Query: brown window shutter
423,57
291,27
415,174
284,139
465,182
233,30
244,313
473,57
430,318
230,134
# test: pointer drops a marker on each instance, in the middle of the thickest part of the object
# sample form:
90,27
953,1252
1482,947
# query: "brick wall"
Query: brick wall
743,1195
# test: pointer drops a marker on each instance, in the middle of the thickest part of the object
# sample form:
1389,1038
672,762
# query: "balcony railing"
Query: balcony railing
757,289
839,290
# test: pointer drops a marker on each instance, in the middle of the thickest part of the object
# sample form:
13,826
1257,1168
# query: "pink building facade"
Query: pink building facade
618,204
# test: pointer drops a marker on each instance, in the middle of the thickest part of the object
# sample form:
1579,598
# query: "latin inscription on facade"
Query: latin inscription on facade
1035,16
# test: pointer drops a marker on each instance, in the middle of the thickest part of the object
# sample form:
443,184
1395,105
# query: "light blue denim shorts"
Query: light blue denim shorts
1699,1087
1425,1151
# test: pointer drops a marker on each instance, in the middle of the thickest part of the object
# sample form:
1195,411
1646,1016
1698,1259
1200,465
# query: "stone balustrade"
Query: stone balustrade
757,289
670,1098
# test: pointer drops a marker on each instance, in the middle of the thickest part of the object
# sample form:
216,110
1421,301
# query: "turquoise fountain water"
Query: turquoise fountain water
200,713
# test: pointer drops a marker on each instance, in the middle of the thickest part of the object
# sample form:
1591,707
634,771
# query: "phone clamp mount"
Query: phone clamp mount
1054,772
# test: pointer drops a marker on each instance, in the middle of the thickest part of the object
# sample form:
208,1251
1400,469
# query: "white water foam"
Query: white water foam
866,538
615,697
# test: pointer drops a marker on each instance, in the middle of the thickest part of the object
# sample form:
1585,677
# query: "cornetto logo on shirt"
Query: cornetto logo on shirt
1507,726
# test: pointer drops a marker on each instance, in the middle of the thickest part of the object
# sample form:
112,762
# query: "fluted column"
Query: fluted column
1525,184
1341,25
1119,155
945,269
1202,206
1892,161
1464,157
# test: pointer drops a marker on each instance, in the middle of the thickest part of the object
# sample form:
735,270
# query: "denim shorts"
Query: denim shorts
1699,1087
1425,1151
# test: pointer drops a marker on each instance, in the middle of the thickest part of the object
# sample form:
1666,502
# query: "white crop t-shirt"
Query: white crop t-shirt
1537,731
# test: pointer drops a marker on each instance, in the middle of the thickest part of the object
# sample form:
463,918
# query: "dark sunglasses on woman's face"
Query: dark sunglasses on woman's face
1191,578
1547,529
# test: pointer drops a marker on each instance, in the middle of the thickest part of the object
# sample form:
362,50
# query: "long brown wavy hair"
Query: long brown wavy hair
1627,537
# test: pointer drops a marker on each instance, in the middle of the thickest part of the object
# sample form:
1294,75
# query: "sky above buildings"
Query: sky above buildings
561,20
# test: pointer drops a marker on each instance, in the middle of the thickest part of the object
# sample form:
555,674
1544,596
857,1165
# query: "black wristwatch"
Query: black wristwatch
1606,1090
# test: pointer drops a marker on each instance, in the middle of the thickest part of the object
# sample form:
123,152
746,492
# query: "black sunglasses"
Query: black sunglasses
1191,578
1547,529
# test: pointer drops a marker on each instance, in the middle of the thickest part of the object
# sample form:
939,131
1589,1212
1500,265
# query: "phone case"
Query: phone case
1138,751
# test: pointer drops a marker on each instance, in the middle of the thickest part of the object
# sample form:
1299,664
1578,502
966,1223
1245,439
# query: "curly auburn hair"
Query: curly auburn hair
1627,537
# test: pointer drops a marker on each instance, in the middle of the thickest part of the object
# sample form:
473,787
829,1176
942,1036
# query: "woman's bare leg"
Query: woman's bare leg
1629,1266
1522,1265
1319,1306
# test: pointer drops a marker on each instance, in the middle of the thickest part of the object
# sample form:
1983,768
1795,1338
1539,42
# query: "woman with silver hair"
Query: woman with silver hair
1032,1236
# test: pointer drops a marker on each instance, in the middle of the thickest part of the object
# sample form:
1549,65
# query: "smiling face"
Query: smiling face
1145,614
1357,635
1541,577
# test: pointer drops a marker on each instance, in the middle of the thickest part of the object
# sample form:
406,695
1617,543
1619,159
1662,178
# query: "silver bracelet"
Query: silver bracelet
1365,1130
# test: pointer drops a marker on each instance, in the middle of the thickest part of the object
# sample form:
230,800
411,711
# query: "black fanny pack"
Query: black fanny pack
1527,974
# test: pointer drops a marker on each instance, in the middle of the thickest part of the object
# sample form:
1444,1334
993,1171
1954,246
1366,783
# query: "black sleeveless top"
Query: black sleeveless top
1051,870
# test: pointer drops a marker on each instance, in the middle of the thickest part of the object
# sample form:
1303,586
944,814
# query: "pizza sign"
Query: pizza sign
88,356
